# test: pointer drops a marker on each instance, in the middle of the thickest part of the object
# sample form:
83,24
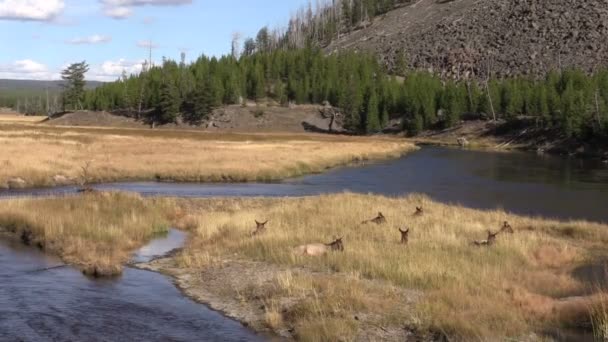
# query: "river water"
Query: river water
522,183
61,304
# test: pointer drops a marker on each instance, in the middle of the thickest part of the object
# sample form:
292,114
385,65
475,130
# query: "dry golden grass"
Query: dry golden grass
439,282
38,153
96,232
15,118
518,286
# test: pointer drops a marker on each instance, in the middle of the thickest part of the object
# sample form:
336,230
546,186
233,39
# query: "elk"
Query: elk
506,228
419,211
260,227
489,241
318,249
404,236
380,219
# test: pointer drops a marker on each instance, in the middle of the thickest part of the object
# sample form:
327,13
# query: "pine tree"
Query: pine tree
372,124
73,93
169,105
199,103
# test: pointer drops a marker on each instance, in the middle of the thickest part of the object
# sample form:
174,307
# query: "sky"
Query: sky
38,38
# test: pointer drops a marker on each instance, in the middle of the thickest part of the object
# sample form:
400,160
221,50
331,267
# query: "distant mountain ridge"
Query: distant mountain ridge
37,85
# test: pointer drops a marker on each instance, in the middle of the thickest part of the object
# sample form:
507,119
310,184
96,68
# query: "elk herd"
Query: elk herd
337,245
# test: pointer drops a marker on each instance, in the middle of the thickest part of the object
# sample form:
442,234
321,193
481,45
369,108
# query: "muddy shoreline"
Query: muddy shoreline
218,287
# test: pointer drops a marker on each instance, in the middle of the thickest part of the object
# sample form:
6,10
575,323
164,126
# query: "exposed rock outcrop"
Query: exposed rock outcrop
470,37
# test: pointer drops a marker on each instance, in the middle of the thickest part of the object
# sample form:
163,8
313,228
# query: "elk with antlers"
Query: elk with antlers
260,228
380,219
318,249
404,236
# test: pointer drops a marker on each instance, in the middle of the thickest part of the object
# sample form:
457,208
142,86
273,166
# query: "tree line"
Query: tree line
189,92
368,97
570,101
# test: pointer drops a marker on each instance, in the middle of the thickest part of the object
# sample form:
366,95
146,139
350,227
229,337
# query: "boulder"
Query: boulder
61,180
463,142
16,183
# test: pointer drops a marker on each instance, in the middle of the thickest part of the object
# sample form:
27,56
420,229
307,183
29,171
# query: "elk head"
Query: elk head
337,245
260,227
404,235
419,211
506,228
379,219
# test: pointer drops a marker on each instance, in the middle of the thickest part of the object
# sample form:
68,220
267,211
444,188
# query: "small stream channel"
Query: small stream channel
62,305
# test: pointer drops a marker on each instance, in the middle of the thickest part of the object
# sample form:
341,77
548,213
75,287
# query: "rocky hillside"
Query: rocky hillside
506,37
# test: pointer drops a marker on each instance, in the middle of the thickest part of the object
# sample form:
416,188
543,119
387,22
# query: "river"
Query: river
522,183
61,304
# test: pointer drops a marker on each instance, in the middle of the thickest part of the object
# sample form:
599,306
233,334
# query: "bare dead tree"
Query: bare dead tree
85,177
487,81
597,107
236,44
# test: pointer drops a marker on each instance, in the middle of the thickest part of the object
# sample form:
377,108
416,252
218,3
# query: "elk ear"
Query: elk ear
264,223
256,222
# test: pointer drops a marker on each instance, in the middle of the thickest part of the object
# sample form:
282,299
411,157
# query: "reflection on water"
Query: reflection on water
63,305
523,183
159,247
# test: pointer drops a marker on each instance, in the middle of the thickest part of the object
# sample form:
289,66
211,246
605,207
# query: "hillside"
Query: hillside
227,118
507,36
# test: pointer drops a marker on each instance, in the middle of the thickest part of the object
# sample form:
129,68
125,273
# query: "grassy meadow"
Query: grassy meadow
41,155
438,282
96,232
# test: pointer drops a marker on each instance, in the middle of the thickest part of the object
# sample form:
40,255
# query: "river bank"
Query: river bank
46,156
438,284
520,135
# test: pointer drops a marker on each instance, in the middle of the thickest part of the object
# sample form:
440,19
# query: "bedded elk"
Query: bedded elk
404,236
380,219
260,228
318,249
506,228
489,241
419,211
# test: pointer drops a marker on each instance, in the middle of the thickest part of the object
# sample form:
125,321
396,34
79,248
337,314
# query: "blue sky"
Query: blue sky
40,37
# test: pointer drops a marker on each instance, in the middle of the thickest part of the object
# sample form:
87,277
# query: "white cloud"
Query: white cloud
27,69
32,10
94,39
147,44
117,12
120,9
112,70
